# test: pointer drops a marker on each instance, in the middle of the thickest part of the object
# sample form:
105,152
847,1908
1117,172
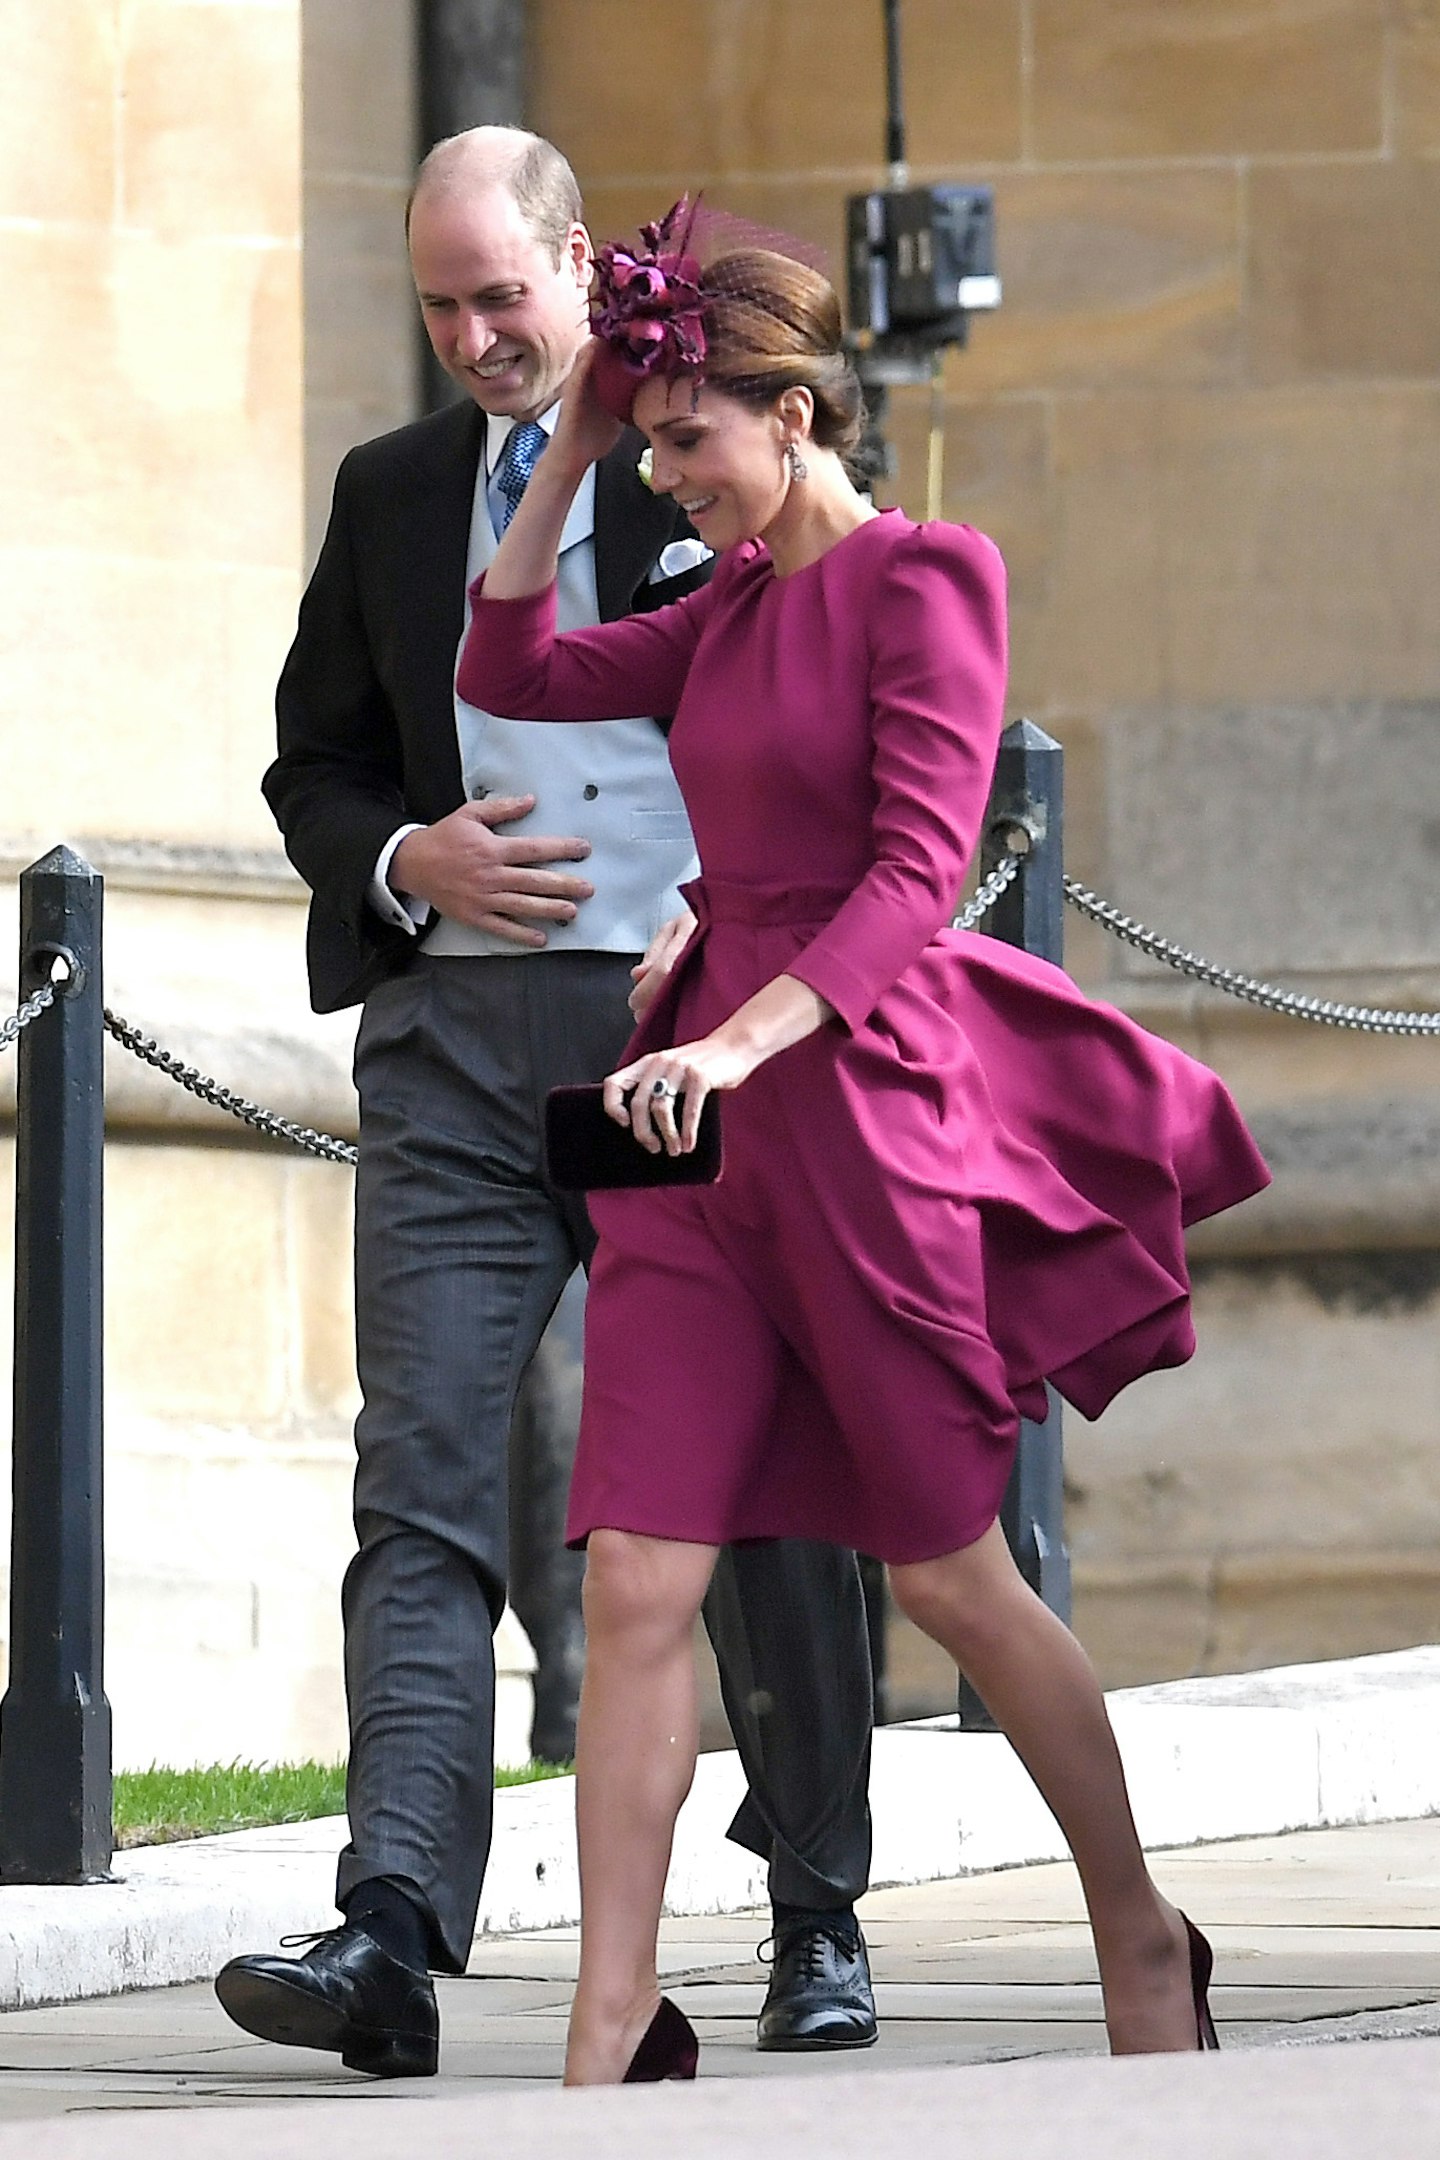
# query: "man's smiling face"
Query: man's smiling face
505,319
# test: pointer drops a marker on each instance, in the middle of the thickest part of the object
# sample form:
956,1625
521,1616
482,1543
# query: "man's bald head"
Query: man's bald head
528,167
502,267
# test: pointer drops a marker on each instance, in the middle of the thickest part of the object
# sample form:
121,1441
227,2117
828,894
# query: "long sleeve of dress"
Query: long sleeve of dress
937,686
514,664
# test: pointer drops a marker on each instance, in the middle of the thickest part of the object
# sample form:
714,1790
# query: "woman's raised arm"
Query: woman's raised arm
529,551
512,662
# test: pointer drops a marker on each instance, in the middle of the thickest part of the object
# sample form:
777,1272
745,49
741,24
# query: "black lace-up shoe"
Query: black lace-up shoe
819,1994
346,1995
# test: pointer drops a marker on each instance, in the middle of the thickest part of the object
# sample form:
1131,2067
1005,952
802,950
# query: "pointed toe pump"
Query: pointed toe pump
1202,1965
668,2050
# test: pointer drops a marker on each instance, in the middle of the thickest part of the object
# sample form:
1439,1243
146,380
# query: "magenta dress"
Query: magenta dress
972,1180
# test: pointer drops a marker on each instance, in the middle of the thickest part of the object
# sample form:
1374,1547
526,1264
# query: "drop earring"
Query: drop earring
799,470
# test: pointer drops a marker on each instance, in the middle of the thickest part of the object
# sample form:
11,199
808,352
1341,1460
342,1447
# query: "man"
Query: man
487,890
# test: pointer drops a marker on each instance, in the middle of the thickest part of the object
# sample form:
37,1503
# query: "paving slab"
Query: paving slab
1339,2103
1321,1936
1309,1746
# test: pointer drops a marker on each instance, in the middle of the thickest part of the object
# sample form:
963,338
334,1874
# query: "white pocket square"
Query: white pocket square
680,556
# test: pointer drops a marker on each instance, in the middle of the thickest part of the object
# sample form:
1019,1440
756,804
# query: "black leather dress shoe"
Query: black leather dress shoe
819,1994
345,1994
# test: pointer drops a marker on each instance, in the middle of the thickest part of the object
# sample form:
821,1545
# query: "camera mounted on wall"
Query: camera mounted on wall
920,262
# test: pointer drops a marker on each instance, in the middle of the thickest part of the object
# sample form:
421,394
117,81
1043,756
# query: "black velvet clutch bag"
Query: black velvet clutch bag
586,1151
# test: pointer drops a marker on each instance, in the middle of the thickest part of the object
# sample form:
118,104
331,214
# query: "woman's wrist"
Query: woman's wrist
557,475
527,559
784,1012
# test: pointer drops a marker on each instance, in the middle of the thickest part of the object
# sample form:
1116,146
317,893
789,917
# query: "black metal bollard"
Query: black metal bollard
55,1793
1027,817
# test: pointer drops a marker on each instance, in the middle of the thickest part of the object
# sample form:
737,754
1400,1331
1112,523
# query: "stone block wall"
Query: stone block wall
361,329
150,358
151,431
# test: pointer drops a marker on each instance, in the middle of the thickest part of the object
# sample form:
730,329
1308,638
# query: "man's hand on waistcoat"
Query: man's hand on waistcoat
472,873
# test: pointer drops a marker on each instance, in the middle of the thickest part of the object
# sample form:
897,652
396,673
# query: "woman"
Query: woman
948,1176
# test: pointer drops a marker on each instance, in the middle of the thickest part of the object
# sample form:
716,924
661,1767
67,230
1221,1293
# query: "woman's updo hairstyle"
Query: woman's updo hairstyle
773,324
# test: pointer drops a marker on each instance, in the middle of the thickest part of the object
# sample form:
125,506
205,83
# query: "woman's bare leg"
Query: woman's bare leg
1041,1689
635,1759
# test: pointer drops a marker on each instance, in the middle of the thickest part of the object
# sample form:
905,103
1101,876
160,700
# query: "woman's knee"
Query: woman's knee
922,1593
958,1597
642,1584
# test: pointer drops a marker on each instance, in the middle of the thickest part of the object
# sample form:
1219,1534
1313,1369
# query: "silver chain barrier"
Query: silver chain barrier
149,1052
34,1005
1370,1019
988,892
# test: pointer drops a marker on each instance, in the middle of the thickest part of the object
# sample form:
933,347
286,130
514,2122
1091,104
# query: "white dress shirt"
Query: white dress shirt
608,781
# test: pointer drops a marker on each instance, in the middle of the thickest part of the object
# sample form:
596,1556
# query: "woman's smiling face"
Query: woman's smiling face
722,461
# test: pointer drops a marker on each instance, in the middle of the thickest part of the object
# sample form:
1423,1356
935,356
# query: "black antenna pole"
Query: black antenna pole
894,98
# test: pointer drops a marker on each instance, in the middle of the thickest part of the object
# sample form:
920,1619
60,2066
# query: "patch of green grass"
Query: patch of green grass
159,1806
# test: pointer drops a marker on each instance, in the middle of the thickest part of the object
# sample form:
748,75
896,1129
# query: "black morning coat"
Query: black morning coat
365,703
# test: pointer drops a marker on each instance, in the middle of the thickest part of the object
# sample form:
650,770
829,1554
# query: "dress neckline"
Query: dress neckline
891,511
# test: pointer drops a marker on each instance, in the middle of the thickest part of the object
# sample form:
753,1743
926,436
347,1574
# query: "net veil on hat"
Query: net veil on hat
650,300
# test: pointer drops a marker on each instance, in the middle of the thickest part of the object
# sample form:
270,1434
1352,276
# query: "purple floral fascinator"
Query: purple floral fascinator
648,309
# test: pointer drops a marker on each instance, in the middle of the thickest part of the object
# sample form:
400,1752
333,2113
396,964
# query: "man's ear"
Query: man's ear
579,251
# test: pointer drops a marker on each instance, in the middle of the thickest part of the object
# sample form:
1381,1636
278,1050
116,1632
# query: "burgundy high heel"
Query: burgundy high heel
668,2050
1202,1965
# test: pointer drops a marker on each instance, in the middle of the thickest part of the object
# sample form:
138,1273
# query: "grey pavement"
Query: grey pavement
1246,1756
1321,1936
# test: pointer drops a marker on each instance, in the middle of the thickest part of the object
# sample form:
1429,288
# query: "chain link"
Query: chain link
1370,1019
34,1005
187,1076
988,892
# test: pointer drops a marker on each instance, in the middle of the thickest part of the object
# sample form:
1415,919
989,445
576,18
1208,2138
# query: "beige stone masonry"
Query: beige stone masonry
150,477
58,123
1414,77
1112,278
177,659
1269,545
361,329
1187,78
779,90
159,373
206,143
1343,280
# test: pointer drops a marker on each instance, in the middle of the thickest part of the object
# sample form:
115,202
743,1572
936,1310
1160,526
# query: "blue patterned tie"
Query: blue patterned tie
518,460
